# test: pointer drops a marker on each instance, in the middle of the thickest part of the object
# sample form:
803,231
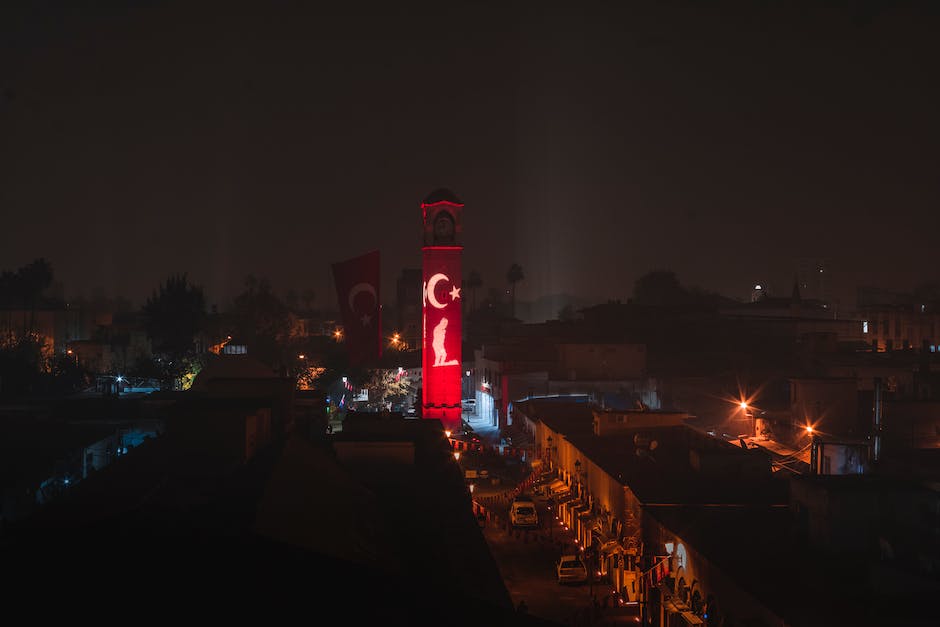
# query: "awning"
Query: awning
565,502
558,486
579,509
611,546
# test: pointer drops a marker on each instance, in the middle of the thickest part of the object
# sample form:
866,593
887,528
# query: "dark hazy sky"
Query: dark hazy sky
591,142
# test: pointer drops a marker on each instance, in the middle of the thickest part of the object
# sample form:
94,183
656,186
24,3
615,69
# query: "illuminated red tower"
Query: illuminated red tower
442,324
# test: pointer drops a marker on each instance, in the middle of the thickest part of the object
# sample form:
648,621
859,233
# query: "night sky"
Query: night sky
591,142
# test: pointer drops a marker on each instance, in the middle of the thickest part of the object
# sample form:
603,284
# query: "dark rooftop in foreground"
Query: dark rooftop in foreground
299,526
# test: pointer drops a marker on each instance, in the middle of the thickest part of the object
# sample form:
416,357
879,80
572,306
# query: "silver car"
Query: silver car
522,513
571,569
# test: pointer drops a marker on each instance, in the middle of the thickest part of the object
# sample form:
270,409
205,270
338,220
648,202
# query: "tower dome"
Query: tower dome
441,194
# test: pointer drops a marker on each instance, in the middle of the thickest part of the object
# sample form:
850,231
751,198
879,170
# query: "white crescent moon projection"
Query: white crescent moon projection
357,289
432,283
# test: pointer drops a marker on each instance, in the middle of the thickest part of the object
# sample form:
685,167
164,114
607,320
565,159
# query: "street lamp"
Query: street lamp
577,471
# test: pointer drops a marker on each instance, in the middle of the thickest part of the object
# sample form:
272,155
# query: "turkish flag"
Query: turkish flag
357,288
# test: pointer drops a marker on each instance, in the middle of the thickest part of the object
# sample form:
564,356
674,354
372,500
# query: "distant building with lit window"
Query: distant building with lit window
902,327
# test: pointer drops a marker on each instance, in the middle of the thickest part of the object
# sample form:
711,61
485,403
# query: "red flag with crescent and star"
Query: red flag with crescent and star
357,288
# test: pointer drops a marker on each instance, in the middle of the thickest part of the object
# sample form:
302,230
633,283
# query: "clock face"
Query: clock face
443,226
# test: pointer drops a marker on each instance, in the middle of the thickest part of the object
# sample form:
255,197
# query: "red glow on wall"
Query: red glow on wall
442,334
440,203
445,203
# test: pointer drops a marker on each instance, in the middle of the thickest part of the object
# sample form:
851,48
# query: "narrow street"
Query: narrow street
527,558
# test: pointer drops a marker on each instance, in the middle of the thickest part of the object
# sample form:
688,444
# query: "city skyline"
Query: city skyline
590,146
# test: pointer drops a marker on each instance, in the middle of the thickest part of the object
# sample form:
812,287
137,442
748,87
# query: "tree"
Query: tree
174,315
567,313
292,300
308,297
387,386
68,375
514,275
35,278
262,321
21,365
660,287
24,289
472,283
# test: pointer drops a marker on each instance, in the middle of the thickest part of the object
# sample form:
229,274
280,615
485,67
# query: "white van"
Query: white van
522,513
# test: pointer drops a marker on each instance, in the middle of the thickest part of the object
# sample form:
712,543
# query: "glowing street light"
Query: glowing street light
457,455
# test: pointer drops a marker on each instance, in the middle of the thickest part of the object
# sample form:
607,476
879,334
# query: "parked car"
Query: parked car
522,513
571,569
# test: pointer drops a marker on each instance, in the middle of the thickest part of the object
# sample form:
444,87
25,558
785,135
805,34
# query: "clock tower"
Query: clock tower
442,333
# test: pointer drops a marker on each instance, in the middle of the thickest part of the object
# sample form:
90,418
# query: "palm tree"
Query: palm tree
514,275
473,282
